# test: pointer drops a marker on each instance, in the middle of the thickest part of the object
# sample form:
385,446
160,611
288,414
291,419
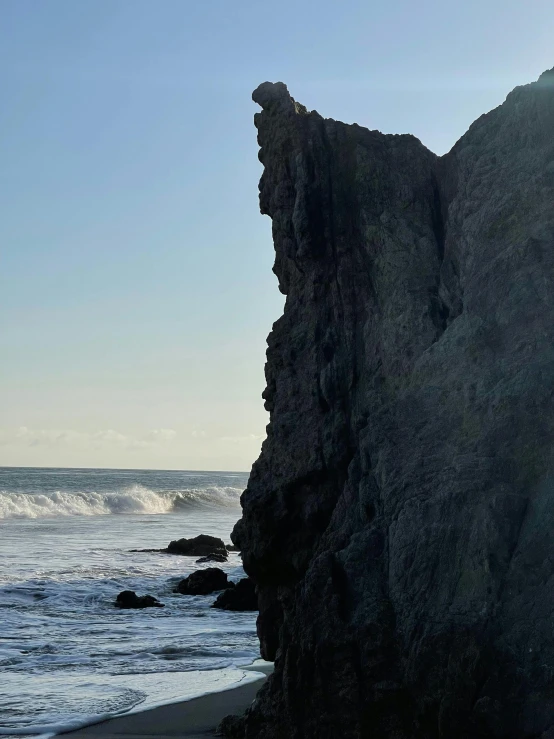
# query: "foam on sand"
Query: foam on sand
197,713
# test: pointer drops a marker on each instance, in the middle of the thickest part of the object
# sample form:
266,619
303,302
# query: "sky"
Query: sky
136,290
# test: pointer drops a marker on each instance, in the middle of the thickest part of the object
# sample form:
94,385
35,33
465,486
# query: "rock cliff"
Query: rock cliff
399,520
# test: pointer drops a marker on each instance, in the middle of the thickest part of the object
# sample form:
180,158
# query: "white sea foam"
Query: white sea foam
228,680
136,499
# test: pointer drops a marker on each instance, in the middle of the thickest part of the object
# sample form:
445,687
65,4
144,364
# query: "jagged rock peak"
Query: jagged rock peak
547,78
274,96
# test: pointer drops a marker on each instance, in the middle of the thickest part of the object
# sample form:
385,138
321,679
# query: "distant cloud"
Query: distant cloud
24,436
199,434
162,434
242,439
110,436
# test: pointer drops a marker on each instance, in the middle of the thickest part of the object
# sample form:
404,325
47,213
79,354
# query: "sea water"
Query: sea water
67,655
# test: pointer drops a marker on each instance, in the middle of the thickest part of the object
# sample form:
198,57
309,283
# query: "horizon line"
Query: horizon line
120,469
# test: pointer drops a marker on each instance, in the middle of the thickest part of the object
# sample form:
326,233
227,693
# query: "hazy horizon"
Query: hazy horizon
136,283
121,469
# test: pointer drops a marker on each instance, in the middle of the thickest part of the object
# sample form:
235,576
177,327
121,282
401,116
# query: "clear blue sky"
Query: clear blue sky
135,277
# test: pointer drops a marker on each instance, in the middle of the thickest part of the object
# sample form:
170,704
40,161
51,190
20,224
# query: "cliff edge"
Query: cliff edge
399,520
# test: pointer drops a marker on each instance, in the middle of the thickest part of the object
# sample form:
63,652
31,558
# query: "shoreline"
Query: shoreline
192,718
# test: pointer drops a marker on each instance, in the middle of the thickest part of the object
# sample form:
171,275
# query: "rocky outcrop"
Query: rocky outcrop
129,599
199,546
398,521
210,548
204,582
241,597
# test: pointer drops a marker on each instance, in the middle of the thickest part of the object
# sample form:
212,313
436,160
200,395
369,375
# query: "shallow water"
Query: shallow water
66,654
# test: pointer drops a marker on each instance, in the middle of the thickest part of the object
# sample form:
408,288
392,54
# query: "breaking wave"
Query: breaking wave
136,499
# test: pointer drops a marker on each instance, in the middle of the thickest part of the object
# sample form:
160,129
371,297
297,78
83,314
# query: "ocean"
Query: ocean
67,656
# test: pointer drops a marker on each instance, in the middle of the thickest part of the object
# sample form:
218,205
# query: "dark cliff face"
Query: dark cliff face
399,519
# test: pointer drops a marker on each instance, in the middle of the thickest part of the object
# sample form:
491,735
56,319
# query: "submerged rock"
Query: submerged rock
240,598
204,582
199,546
398,523
129,599
212,558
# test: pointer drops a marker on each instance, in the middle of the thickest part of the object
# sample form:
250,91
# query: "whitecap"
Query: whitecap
136,499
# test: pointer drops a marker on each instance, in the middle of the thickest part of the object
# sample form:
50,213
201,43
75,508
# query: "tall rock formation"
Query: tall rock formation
399,522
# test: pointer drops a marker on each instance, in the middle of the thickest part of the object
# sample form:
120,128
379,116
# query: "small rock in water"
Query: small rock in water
216,557
242,597
204,582
129,599
232,548
199,546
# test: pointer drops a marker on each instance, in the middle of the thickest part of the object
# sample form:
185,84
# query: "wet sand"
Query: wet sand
194,719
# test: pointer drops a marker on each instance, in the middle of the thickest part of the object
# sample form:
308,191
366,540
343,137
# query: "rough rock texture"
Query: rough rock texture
129,599
399,520
204,582
232,727
242,597
199,546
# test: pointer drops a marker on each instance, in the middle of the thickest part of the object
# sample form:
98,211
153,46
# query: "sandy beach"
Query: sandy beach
194,719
